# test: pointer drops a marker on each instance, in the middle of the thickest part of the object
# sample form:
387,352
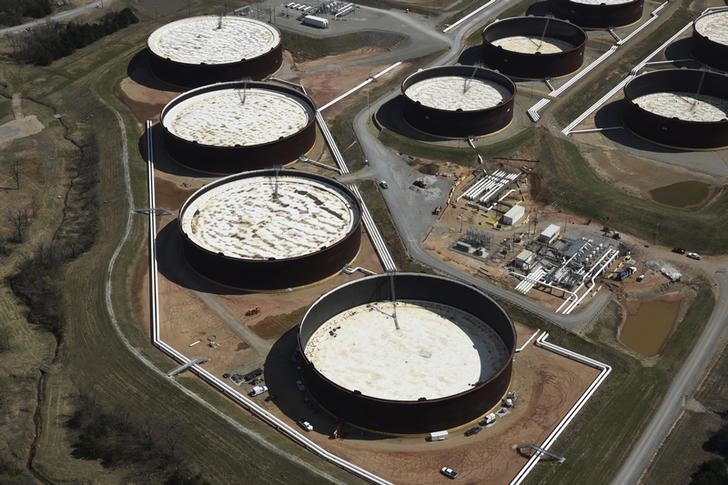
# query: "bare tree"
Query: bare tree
20,220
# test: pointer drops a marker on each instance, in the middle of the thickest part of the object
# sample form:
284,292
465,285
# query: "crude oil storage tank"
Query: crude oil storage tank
598,13
533,47
270,229
207,49
710,39
406,353
458,101
237,126
680,108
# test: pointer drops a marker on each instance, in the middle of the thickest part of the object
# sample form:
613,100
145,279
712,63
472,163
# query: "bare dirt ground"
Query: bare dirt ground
146,103
324,80
193,309
630,173
546,384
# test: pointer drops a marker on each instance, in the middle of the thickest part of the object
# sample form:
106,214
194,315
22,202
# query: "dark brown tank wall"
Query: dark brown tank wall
458,124
192,75
533,66
226,160
272,274
599,15
710,52
674,132
407,416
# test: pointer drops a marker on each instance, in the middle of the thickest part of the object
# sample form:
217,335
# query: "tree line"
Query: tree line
53,40
37,283
714,471
12,12
146,443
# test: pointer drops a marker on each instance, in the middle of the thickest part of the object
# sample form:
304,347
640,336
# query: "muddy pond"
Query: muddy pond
646,329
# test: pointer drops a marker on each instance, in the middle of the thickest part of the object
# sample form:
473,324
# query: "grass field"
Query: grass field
306,48
461,155
572,182
600,438
683,450
92,360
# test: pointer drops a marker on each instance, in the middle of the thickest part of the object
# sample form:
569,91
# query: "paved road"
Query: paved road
683,385
412,221
65,15
412,213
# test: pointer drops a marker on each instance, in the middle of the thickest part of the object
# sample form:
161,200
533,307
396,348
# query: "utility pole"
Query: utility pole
394,300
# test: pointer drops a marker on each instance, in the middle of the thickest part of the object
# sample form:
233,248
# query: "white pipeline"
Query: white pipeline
553,436
206,376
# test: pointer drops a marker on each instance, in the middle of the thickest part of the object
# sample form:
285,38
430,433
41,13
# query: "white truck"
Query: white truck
315,21
257,391
438,436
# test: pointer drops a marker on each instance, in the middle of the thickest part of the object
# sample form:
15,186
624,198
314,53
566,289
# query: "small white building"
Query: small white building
550,234
514,215
525,259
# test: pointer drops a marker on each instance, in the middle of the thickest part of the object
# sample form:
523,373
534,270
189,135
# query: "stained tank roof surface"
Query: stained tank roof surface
458,92
714,26
438,350
684,106
532,44
213,40
602,2
266,217
230,117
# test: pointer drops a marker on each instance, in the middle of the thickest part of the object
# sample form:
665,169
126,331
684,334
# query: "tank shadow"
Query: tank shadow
472,56
282,370
139,70
162,160
391,116
680,52
173,265
540,9
610,116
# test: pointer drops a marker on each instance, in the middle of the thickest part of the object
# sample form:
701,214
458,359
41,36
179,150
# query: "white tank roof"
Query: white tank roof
233,116
458,92
714,26
532,44
602,2
264,217
684,106
438,350
213,40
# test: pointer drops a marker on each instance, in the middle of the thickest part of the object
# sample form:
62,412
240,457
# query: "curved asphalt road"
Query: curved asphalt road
410,214
683,385
65,15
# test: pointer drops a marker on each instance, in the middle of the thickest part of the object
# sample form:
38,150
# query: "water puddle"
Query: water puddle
681,194
648,325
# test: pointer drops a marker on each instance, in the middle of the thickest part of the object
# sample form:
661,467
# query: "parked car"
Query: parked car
473,431
383,184
305,425
694,256
678,250
449,472
257,391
